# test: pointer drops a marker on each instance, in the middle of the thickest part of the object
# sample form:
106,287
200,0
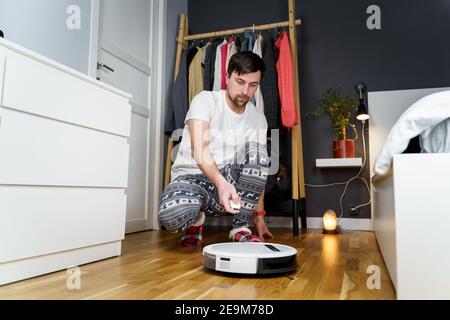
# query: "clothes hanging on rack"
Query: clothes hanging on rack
195,75
232,49
205,49
249,40
257,48
217,84
223,75
289,117
278,184
274,97
210,58
177,112
269,86
269,90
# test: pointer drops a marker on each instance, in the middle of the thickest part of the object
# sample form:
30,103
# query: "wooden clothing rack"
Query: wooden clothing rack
298,182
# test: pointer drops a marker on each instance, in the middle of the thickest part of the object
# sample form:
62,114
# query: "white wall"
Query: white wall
40,25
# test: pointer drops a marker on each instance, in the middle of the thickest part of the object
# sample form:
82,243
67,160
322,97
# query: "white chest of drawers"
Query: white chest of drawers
63,166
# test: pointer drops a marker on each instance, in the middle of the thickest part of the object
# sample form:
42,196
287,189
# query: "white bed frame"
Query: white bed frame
411,205
63,166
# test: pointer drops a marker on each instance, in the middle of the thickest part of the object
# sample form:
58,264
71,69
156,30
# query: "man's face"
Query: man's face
241,88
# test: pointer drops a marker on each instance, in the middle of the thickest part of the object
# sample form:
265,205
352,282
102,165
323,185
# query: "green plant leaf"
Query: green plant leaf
338,107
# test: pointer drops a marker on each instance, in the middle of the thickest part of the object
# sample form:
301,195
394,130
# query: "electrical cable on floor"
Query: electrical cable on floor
347,183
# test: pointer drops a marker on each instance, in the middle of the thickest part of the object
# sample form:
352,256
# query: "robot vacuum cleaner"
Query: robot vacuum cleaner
250,258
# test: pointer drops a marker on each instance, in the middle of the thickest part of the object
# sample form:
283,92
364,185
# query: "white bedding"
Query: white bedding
429,117
436,140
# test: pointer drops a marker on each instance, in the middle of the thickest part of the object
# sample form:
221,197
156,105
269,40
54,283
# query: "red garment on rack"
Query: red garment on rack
223,83
289,117
224,64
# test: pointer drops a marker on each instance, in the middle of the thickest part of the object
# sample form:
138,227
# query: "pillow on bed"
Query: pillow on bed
421,118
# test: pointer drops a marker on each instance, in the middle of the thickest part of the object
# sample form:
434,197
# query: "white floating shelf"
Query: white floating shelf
339,163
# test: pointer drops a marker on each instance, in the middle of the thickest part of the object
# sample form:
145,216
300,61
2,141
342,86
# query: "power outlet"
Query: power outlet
354,211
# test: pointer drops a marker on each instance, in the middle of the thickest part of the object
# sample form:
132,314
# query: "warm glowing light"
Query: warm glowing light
330,251
329,221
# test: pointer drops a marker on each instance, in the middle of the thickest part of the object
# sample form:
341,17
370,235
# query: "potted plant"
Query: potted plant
340,109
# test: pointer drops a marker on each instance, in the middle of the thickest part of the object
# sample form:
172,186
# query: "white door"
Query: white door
124,61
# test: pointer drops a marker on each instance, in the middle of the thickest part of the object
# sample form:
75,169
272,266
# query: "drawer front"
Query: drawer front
38,88
43,220
41,151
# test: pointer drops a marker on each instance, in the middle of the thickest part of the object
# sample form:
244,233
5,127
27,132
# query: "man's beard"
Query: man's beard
240,101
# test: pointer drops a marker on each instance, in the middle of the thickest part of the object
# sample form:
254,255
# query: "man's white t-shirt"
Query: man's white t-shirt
229,131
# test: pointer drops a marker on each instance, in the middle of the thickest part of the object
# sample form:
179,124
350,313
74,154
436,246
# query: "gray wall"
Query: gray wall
40,25
336,48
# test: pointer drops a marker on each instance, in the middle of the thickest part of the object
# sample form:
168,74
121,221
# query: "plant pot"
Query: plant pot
344,148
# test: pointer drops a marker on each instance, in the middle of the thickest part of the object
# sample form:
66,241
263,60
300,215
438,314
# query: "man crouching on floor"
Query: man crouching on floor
222,163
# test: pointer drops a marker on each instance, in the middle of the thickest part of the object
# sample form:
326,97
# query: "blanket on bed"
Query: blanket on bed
429,118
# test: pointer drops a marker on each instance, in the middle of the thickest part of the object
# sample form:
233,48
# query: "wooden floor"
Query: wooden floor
154,266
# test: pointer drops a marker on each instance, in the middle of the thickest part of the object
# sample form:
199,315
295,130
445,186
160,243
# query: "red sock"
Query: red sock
192,237
245,236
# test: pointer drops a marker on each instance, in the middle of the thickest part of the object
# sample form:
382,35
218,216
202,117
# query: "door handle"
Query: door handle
102,65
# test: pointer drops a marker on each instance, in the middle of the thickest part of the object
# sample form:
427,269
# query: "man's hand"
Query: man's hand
261,228
227,192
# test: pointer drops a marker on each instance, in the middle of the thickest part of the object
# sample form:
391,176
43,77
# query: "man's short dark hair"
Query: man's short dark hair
246,62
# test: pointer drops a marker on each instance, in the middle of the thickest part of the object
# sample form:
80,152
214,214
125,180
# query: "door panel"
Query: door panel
124,42
126,78
126,24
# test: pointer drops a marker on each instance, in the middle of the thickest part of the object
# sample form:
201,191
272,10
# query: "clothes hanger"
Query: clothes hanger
277,31
237,39
273,33
259,34
196,44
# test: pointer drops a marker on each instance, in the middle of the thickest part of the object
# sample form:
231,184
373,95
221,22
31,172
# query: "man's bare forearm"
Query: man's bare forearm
260,205
200,137
207,165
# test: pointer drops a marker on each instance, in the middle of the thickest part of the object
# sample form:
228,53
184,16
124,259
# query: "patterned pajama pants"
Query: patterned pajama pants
187,195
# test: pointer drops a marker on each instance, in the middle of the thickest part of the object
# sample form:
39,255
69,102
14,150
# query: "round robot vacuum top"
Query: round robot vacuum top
250,249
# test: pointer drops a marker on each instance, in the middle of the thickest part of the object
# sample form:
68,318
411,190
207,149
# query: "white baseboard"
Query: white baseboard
135,225
286,222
